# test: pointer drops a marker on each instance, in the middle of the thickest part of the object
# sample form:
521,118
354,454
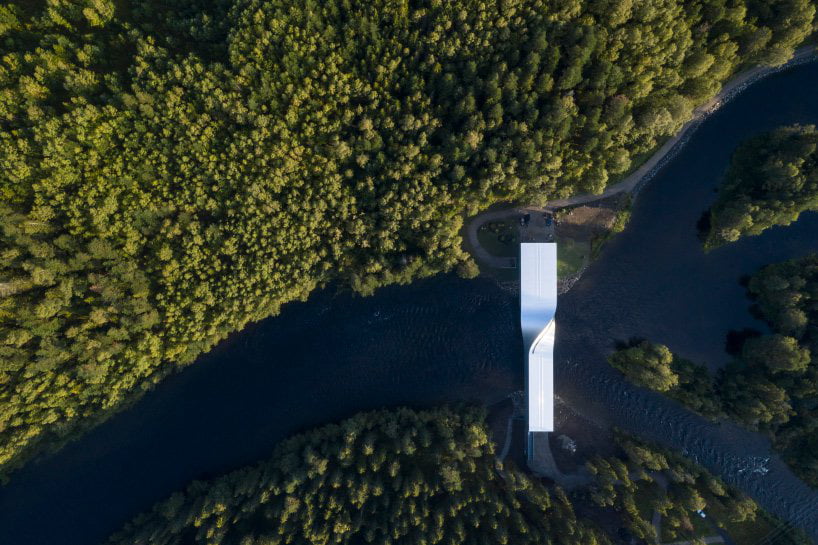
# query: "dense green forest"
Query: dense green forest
406,477
385,477
772,385
174,169
643,477
772,179
782,367
654,366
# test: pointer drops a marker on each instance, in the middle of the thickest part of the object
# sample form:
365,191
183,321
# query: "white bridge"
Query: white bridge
538,305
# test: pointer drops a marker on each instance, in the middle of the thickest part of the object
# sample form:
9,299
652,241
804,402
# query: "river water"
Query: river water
444,340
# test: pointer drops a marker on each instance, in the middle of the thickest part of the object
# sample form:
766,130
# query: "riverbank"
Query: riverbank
633,182
561,458
630,185
445,339
674,281
580,233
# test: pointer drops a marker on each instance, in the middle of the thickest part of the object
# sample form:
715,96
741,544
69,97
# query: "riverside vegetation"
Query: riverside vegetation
772,385
385,477
430,477
772,179
172,170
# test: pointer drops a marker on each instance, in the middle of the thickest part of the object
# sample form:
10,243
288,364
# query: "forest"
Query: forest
642,478
172,170
655,367
772,178
772,384
385,477
429,477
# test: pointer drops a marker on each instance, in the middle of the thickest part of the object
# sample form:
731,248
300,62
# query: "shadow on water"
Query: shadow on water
654,281
317,362
446,340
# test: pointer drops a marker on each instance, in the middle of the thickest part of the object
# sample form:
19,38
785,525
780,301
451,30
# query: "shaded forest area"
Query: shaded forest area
174,169
772,385
772,179
431,477
381,477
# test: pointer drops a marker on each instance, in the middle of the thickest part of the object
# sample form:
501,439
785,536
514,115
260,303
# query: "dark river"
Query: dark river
446,339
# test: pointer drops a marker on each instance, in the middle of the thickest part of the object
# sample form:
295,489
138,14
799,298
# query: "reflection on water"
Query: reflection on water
446,339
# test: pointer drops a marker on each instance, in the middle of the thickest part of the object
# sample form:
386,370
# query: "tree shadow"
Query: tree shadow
198,27
736,339
620,344
703,226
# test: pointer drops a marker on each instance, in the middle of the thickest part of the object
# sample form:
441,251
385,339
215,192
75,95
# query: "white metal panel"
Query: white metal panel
538,305
541,381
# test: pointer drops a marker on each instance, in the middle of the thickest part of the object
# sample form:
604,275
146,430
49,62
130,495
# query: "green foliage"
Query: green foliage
407,477
775,385
776,352
647,365
172,170
696,389
772,179
654,366
623,216
620,221
753,399
643,469
385,477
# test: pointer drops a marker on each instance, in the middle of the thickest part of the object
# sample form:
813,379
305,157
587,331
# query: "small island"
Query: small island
772,179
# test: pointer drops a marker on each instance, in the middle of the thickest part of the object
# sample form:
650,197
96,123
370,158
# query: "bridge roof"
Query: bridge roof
538,305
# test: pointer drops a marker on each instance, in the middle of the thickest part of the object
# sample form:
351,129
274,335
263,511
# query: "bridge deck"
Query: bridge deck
538,305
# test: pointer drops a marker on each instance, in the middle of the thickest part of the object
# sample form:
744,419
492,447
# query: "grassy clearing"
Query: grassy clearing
571,255
621,220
